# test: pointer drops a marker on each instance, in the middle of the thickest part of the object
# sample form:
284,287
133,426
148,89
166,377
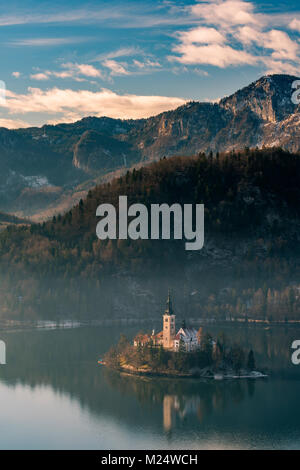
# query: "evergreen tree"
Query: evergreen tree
251,361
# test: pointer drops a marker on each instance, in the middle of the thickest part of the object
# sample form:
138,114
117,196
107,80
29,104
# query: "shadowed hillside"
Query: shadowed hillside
249,266
8,219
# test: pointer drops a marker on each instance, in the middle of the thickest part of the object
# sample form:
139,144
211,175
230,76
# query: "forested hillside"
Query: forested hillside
248,268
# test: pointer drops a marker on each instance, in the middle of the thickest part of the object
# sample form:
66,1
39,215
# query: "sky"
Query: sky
61,61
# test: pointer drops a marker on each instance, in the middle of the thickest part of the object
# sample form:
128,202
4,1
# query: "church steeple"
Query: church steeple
169,325
169,308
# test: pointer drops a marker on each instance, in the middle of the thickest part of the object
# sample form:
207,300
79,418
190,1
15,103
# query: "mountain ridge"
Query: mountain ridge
58,159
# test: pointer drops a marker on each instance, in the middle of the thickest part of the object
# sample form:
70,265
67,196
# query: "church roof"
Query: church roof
159,335
142,338
187,333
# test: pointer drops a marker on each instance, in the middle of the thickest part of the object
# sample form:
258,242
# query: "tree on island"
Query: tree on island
251,361
237,358
207,348
180,357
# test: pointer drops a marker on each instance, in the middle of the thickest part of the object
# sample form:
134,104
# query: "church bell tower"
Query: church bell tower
168,325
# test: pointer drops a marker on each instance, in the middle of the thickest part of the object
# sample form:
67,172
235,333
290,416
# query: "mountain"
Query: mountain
7,219
46,170
248,267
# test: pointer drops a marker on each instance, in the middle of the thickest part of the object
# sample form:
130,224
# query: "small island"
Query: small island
187,353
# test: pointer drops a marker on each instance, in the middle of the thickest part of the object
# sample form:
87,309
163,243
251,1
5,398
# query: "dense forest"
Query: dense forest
248,268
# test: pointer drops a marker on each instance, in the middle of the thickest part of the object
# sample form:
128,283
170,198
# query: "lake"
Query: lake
54,395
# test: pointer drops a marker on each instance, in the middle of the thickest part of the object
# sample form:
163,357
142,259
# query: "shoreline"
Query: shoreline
6,324
200,374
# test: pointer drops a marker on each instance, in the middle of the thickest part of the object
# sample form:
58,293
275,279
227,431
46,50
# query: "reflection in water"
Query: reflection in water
183,399
128,411
172,406
168,406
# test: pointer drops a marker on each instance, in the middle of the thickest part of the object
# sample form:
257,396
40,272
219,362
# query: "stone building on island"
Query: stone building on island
189,339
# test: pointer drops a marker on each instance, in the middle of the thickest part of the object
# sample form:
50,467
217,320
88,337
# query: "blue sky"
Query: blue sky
61,61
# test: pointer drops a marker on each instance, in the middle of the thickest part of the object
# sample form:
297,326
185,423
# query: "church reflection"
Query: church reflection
182,401
202,405
172,406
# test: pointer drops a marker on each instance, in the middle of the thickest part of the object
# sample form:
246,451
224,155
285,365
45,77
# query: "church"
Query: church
189,339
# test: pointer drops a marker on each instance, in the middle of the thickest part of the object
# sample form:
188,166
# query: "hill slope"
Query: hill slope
249,265
7,219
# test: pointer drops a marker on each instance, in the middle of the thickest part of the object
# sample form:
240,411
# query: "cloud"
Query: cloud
202,35
13,123
279,42
137,66
277,66
232,33
16,74
71,70
134,67
40,76
201,73
226,12
115,67
122,52
83,69
46,42
146,64
295,24
63,103
115,14
85,15
82,72
212,54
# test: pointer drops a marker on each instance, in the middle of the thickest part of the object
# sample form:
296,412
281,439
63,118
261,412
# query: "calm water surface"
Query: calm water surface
53,395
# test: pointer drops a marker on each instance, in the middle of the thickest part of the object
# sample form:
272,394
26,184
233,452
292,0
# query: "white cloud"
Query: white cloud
212,54
115,67
136,66
82,72
295,24
283,47
122,52
277,66
84,15
71,70
63,103
16,74
279,42
13,123
83,69
227,12
120,14
46,42
232,33
202,35
201,73
40,76
146,64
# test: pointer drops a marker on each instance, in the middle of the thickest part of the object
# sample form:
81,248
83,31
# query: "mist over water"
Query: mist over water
55,395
